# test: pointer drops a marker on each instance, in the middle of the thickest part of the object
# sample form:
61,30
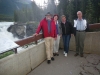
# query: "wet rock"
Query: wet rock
22,30
10,28
93,59
30,29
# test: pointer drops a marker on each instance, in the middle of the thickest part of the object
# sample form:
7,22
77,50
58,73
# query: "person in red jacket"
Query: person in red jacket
48,27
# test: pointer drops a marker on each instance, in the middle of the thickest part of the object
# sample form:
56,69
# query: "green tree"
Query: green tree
89,11
15,16
27,14
51,7
96,16
69,11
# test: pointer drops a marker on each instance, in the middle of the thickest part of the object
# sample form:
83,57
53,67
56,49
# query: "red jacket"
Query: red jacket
44,26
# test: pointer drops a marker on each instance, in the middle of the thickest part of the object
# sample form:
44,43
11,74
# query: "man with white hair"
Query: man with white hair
48,27
80,26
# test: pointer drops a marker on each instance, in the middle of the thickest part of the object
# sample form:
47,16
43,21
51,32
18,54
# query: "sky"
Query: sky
41,2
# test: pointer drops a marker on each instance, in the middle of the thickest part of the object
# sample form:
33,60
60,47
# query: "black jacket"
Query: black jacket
66,28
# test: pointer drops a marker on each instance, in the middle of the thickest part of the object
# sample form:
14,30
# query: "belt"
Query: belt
80,30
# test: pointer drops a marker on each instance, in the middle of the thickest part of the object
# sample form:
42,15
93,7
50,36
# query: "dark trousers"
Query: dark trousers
80,37
66,40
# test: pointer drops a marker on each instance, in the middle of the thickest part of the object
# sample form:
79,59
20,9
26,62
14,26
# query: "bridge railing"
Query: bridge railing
40,36
30,39
94,26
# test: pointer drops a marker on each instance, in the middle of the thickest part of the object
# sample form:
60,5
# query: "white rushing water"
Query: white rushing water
8,35
3,30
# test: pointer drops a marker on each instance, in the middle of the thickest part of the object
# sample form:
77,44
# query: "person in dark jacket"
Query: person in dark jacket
67,30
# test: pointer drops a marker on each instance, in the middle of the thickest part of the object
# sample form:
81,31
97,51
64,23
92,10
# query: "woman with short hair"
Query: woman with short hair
56,42
67,30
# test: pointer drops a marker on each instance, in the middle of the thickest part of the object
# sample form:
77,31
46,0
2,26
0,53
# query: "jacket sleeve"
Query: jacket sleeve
87,29
39,28
72,28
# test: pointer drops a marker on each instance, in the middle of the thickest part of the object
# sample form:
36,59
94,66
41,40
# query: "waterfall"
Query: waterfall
3,29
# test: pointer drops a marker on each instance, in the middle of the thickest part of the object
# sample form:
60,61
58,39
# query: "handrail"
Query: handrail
40,36
28,40
94,26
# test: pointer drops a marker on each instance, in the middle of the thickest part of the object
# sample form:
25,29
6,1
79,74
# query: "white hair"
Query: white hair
79,12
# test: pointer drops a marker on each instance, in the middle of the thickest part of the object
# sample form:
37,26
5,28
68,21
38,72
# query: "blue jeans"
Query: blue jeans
66,40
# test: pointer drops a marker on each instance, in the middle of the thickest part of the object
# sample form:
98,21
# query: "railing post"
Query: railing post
15,50
36,42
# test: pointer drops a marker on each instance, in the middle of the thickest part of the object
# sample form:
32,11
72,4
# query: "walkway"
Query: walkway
87,65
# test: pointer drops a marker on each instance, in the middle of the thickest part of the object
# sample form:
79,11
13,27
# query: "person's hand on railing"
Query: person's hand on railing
35,34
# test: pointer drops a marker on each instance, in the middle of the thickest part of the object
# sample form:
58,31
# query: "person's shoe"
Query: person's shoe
52,59
48,61
81,55
54,54
76,54
57,54
65,54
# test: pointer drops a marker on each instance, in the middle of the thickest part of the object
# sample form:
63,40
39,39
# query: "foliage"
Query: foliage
51,7
33,12
5,18
7,8
6,54
89,11
28,14
89,8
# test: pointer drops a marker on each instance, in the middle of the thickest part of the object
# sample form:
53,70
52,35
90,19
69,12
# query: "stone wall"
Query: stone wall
92,43
22,63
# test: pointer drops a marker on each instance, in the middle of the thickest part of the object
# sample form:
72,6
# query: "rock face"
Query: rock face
22,30
30,29
92,67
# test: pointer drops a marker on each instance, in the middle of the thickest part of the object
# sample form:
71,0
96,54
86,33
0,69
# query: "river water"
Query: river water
8,35
3,29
